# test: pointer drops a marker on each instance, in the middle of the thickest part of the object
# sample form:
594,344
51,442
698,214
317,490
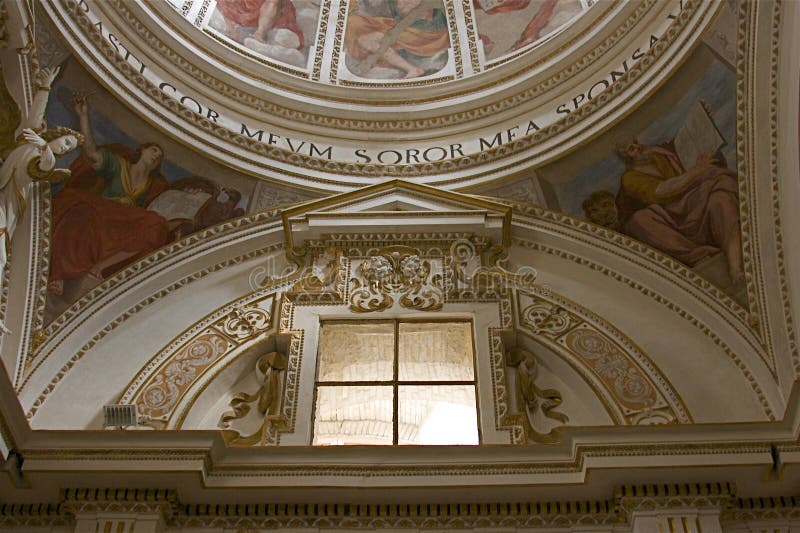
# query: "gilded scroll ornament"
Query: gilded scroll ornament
245,321
485,272
616,368
396,272
538,404
270,372
164,390
630,386
545,318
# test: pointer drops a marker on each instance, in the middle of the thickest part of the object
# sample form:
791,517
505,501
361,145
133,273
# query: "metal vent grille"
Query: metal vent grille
119,415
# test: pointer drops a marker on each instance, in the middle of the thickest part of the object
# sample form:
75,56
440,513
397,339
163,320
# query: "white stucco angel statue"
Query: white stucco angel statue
30,158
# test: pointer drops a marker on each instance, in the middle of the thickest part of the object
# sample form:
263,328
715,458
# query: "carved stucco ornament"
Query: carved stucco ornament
396,272
245,321
263,405
538,405
322,272
641,394
484,271
158,390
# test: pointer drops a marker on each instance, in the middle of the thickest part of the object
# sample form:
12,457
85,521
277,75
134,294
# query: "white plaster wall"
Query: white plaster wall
712,387
106,368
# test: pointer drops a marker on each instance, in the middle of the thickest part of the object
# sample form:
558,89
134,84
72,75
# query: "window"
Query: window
395,382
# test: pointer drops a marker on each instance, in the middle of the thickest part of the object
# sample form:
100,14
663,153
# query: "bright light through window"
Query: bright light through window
395,382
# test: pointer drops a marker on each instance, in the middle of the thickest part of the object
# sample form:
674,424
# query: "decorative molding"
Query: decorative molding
336,52
396,272
120,500
161,393
631,498
328,167
659,298
467,269
165,379
671,270
270,370
762,509
610,362
111,326
532,400
455,42
744,141
472,36
322,31
783,275
611,513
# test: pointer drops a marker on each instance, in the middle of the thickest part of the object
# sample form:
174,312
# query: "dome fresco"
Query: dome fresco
685,127
381,41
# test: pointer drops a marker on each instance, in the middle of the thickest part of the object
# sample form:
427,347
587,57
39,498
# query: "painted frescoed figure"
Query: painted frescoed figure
505,26
278,29
394,39
688,213
666,175
129,190
32,158
116,207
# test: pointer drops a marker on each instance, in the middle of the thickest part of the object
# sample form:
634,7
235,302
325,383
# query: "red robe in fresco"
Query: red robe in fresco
246,12
88,228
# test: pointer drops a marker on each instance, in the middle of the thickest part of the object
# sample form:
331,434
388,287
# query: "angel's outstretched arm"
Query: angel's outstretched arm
35,119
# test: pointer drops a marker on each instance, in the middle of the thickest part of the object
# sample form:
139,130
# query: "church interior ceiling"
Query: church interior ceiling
575,215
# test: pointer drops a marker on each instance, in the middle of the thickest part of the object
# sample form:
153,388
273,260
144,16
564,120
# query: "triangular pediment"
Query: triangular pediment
397,207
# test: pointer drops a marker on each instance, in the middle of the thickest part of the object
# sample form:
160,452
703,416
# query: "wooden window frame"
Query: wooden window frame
395,382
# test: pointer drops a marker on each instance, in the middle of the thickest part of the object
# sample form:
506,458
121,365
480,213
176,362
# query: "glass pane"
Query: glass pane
353,415
439,351
437,414
356,352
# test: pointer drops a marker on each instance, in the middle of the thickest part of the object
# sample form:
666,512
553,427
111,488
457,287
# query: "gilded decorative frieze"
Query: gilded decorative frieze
246,321
111,326
472,41
672,306
396,273
157,394
325,13
630,386
617,370
769,512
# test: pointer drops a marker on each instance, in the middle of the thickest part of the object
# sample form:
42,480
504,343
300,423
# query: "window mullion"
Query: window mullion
396,394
